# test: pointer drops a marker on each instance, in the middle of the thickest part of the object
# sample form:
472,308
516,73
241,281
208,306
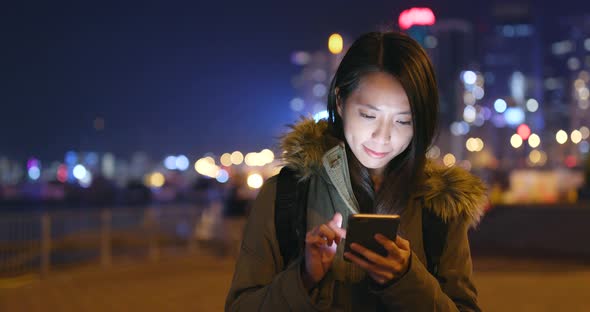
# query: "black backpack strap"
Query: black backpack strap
434,236
290,214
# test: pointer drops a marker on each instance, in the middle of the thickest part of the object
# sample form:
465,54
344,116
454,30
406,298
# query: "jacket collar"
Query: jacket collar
450,193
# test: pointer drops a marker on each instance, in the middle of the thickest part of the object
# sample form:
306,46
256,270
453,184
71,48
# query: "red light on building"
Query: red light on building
62,173
523,131
416,16
571,161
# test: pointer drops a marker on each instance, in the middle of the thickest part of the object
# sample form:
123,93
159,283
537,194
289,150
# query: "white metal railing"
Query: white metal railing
37,243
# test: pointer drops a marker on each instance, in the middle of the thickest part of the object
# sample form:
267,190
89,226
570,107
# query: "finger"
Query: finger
389,245
371,268
336,225
337,219
327,233
372,256
315,241
379,279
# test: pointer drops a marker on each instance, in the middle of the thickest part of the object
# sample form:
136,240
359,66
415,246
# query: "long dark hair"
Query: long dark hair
402,57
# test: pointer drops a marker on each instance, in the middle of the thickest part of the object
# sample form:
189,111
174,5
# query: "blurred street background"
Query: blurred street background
135,135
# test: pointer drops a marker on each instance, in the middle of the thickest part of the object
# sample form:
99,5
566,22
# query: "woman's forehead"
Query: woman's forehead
380,91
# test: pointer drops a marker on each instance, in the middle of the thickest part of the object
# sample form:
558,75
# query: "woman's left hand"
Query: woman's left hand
383,269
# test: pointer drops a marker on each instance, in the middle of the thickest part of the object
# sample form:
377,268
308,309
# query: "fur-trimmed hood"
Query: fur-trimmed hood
450,192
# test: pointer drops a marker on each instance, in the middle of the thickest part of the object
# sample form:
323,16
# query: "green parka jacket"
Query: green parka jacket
262,283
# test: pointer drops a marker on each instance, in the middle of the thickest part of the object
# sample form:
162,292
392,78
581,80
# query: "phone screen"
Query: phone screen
363,227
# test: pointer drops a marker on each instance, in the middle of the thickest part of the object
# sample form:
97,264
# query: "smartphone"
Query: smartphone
362,228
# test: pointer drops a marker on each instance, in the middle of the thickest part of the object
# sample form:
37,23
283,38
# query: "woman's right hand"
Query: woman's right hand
320,248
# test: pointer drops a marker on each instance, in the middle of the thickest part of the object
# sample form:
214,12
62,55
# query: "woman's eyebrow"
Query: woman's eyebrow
377,109
370,106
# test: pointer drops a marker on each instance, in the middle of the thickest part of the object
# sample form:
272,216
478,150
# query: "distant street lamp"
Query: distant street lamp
335,43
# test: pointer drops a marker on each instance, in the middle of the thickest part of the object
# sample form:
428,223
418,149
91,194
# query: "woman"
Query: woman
369,157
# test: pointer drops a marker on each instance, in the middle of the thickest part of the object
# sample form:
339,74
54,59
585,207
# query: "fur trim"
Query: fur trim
304,147
453,193
450,193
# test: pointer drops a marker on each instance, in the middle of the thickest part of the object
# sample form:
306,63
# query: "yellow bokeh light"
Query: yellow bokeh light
335,44
157,179
585,132
516,141
534,140
479,144
207,167
561,137
433,152
209,160
449,160
255,181
535,156
226,159
469,144
576,136
251,159
579,83
543,158
583,93
266,156
474,144
237,158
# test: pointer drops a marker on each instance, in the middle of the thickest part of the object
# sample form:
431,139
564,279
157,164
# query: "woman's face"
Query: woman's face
377,120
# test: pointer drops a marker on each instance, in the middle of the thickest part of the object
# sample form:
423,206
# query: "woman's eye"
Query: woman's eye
367,116
405,123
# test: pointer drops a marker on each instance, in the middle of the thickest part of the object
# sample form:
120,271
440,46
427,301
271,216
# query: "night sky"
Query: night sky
167,76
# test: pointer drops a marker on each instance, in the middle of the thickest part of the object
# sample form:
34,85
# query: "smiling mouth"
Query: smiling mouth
374,154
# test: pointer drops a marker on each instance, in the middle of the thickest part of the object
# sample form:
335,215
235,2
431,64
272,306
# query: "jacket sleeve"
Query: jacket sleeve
418,290
259,282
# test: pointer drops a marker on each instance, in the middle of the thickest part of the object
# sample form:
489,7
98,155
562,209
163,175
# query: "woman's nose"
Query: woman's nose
382,134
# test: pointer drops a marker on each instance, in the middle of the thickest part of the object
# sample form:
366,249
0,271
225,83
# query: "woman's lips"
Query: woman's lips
374,154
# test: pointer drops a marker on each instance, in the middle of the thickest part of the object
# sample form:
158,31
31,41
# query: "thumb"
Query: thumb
337,219
402,243
336,226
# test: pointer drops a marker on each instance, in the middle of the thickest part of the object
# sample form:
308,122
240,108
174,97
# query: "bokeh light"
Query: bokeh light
433,152
170,162
524,131
534,140
514,116
226,160
532,105
34,173
468,77
79,172
535,156
157,180
255,180
222,176
500,105
207,167
474,144
516,141
267,156
449,160
182,163
561,137
576,136
335,43
237,158
469,114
